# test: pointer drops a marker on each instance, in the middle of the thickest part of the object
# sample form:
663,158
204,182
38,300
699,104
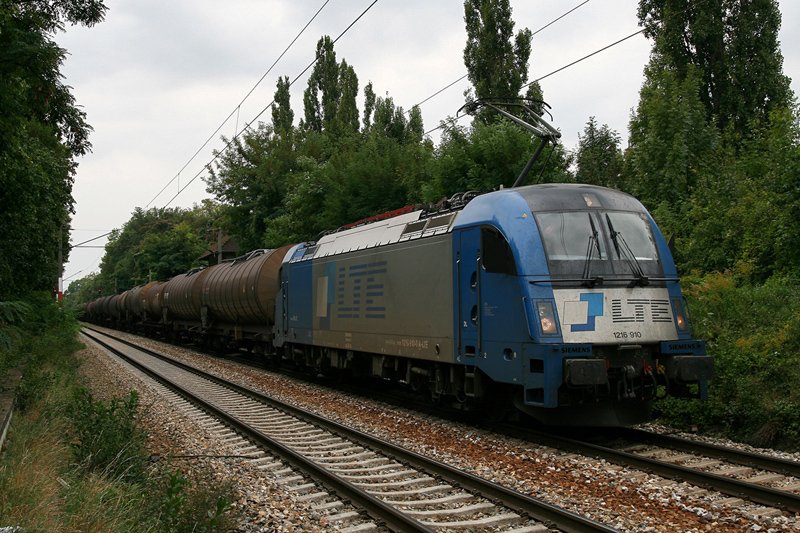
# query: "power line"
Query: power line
92,239
437,93
587,56
238,107
247,126
584,57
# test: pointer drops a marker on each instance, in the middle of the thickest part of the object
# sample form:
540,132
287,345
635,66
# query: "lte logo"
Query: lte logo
594,309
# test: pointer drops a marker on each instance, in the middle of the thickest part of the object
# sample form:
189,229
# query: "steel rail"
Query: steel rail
388,515
537,509
726,485
741,457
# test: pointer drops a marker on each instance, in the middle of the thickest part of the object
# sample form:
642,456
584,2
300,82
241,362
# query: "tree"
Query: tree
321,97
732,45
599,158
155,245
712,147
347,112
42,131
496,59
369,106
487,156
672,144
250,181
282,114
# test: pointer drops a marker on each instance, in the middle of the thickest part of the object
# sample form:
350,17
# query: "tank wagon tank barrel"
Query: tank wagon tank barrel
243,290
181,295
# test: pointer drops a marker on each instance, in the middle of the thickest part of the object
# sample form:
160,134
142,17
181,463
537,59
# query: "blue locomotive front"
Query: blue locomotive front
562,300
603,328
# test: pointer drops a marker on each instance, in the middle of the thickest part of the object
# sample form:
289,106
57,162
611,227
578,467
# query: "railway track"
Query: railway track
742,475
398,489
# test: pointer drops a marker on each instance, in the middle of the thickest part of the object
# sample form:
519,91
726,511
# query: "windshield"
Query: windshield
610,244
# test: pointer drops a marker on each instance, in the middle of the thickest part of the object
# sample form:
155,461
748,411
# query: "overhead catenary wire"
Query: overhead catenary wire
239,105
568,65
440,91
248,124
634,34
92,239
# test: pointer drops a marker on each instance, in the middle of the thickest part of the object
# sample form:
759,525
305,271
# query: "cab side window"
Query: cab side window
496,253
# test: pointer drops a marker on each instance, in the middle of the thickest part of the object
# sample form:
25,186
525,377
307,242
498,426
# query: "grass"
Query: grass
73,463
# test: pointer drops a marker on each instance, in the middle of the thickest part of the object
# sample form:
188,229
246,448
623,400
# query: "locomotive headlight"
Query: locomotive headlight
547,317
681,319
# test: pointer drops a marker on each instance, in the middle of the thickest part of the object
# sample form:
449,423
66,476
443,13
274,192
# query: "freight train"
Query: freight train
560,300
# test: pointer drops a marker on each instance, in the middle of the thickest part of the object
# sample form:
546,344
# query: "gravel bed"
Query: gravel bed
624,498
184,445
781,454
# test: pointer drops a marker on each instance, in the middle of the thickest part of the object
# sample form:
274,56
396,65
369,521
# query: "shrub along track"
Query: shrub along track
398,488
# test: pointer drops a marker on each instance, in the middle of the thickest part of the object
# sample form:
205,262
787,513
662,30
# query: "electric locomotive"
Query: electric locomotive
562,300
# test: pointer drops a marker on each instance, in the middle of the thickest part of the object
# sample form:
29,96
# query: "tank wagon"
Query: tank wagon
560,300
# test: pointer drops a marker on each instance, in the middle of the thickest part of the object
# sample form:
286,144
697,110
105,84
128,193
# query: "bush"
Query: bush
753,332
34,383
58,425
194,508
107,438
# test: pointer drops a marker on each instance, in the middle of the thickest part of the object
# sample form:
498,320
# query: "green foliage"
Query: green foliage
487,156
27,332
599,158
753,332
714,146
14,312
107,438
332,89
496,59
733,44
41,487
155,244
192,508
42,131
282,114
249,181
33,384
671,146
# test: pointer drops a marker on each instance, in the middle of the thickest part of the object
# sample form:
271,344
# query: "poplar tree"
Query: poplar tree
495,57
369,106
732,45
282,114
347,111
321,97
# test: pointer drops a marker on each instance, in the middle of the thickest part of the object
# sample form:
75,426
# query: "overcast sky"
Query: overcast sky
157,78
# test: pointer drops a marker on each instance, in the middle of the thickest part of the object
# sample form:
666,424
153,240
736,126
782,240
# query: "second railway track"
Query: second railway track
399,489
755,477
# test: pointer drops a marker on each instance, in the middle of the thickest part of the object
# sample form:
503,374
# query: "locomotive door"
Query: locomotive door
469,294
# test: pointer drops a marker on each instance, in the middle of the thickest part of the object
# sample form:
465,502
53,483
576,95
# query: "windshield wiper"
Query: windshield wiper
587,265
624,252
